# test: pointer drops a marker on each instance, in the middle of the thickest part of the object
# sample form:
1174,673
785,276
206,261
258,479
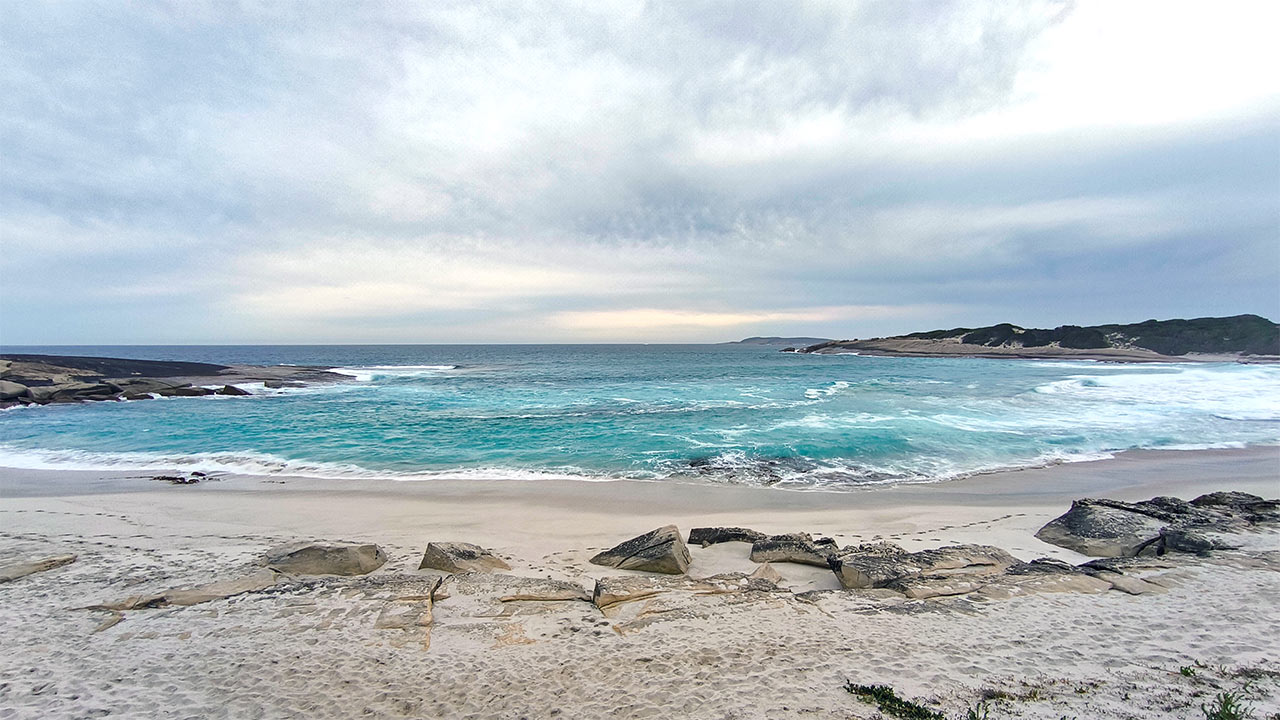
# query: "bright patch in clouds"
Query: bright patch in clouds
479,172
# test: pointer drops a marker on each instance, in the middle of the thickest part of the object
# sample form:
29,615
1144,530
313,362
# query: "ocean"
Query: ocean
691,413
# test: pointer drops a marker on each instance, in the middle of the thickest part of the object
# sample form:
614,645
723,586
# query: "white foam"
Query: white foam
265,464
1234,392
368,373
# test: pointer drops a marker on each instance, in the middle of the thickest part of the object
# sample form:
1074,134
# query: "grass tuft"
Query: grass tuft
1227,706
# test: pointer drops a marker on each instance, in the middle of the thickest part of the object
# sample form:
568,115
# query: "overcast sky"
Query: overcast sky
630,171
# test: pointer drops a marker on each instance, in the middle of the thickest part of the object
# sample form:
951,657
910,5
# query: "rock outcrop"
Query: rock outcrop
887,565
326,559
660,551
44,379
455,557
1112,528
793,548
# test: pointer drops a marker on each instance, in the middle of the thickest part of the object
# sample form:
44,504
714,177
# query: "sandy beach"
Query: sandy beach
313,648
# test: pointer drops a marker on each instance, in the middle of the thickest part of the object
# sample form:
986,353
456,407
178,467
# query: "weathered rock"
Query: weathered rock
793,548
767,573
713,535
1129,584
23,569
218,590
231,390
870,565
883,564
618,589
260,580
454,557
502,595
408,613
138,396
278,384
12,390
325,559
1188,541
660,551
1102,530
923,587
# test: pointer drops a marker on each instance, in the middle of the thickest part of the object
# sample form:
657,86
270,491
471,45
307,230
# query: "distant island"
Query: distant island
779,341
1240,337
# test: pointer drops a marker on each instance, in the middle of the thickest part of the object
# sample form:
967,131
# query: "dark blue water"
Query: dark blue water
714,413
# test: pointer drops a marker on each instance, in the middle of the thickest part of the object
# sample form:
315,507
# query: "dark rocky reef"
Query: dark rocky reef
45,379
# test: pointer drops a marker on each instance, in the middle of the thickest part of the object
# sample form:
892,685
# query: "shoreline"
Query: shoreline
558,514
331,647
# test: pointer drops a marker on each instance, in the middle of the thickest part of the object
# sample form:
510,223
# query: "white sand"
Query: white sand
311,650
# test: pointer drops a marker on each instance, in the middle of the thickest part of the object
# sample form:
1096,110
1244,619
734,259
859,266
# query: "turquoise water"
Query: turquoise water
706,413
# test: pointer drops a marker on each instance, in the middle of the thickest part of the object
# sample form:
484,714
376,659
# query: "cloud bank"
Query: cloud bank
630,171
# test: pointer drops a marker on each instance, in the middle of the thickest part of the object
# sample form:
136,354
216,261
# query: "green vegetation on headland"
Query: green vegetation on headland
1241,335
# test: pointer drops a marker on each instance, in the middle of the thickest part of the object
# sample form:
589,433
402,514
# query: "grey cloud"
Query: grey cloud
707,155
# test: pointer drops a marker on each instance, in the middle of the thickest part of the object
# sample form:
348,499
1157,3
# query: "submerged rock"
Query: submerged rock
326,559
660,551
455,557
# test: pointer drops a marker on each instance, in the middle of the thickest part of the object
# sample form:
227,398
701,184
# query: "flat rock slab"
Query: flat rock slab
499,595
660,551
217,590
326,558
260,580
23,569
886,565
457,557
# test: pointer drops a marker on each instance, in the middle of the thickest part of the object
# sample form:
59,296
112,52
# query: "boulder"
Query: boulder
713,535
325,558
455,557
23,569
1102,530
793,548
660,551
231,390
12,390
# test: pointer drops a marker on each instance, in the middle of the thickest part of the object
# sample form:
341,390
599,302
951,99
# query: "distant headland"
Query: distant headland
1248,338
793,342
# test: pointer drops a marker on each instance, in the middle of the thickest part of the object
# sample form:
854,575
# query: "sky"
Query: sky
685,171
